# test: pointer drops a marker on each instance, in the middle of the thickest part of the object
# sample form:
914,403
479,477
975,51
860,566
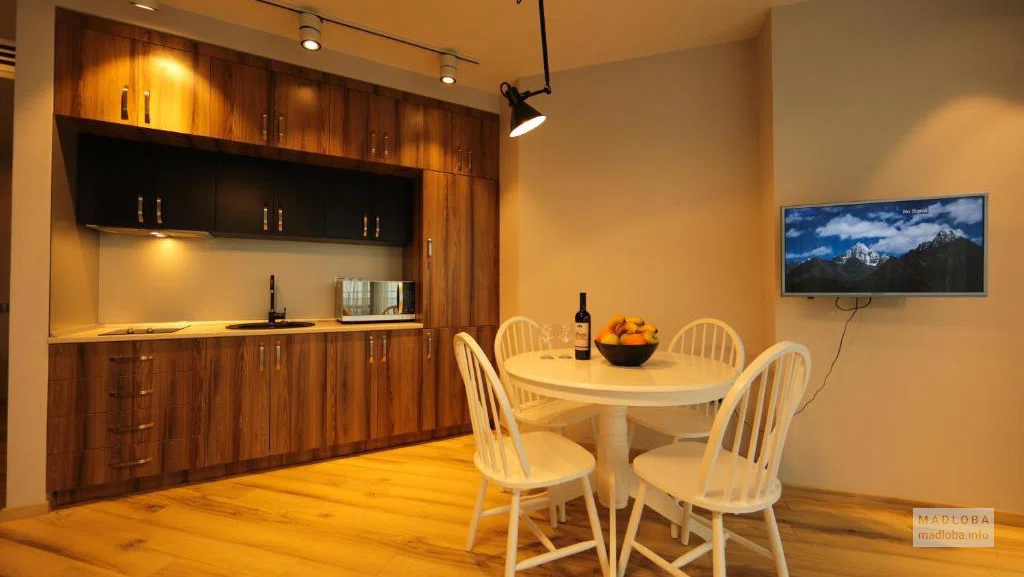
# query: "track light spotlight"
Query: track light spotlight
525,117
449,68
151,5
309,31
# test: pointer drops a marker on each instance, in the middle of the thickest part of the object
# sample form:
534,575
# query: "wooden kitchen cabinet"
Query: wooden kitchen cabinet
430,342
239,102
370,126
451,406
484,233
299,416
300,113
424,136
237,372
167,97
348,378
467,144
395,389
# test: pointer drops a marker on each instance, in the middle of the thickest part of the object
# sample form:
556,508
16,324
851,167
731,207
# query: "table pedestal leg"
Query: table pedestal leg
613,456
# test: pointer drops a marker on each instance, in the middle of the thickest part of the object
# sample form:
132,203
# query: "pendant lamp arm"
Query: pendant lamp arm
514,94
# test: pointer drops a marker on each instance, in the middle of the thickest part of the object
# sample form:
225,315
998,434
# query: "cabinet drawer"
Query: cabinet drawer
124,358
104,465
99,430
112,394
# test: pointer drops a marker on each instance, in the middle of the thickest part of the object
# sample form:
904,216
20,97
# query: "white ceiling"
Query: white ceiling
506,36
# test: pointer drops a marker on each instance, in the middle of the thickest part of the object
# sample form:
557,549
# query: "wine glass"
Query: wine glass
565,334
546,332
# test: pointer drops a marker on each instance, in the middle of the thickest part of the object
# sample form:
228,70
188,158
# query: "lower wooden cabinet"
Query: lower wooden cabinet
299,418
348,378
236,372
395,388
451,406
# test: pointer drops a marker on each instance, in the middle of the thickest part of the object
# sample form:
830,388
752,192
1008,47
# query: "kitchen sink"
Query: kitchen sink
268,325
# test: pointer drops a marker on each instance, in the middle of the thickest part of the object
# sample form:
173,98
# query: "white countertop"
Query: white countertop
203,329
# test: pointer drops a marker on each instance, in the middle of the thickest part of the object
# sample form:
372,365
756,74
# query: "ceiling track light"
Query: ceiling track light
525,117
309,31
151,5
449,68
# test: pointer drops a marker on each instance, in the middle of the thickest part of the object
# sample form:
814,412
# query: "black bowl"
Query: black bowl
626,355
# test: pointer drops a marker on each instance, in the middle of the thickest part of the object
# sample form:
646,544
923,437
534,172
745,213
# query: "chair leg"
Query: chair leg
631,528
673,531
776,542
595,524
684,537
477,509
513,536
561,515
718,545
553,514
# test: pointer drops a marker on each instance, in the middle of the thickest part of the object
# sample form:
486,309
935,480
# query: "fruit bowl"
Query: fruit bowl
626,355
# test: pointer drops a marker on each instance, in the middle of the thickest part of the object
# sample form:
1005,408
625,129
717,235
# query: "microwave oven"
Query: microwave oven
371,301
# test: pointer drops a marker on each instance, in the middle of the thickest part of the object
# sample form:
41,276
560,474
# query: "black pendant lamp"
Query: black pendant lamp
525,117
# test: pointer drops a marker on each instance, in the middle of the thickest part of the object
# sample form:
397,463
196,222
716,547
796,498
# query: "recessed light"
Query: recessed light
309,31
151,5
449,68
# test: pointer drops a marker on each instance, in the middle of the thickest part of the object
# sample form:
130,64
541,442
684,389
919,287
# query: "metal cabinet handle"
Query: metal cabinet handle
366,219
430,345
265,214
145,96
136,463
458,154
277,357
131,429
138,208
280,129
262,356
430,247
370,355
124,103
469,162
384,345
280,219
386,150
373,143
376,232
117,394
159,211
264,125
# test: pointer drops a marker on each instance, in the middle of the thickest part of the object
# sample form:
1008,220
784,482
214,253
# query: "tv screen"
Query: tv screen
921,246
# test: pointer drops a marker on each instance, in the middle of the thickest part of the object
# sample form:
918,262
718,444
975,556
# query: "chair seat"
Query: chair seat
675,469
676,422
555,413
553,459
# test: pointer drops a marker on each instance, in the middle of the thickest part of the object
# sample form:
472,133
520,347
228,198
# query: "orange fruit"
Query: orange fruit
602,334
633,339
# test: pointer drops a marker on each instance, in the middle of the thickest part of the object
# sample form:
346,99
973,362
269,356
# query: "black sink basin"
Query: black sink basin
268,326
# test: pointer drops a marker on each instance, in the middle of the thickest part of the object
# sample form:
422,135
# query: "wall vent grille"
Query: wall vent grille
6,58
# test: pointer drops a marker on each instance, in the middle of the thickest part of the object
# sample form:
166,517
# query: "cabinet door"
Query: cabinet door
245,196
299,120
424,134
239,102
349,205
106,88
490,148
299,201
382,124
466,143
451,393
395,399
392,216
349,372
357,114
298,410
459,251
337,121
182,190
428,389
237,374
167,94
111,182
433,297
484,220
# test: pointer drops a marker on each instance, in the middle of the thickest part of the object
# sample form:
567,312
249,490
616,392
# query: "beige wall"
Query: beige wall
641,189
880,99
154,280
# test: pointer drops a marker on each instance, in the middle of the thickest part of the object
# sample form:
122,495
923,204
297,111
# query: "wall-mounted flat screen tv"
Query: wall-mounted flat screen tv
914,247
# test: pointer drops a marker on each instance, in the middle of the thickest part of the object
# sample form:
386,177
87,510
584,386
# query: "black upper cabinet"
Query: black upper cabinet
393,222
299,200
133,185
370,208
245,196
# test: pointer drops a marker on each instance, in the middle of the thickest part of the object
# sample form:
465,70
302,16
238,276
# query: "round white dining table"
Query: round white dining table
667,379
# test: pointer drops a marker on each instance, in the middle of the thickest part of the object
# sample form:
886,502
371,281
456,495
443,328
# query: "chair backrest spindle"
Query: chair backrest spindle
517,335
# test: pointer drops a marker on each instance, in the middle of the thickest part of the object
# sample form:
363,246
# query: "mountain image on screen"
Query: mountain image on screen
921,246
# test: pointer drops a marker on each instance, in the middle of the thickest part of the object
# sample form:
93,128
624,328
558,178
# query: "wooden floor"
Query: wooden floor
404,512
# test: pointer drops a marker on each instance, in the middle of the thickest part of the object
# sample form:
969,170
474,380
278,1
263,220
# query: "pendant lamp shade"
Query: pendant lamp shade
524,119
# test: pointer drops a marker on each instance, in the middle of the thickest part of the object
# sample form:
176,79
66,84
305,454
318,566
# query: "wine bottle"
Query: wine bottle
582,340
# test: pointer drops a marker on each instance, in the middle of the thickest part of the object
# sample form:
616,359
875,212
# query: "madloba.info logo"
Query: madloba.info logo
954,527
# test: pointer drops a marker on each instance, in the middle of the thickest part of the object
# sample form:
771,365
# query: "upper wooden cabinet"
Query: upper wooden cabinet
370,126
167,96
239,102
300,113
425,135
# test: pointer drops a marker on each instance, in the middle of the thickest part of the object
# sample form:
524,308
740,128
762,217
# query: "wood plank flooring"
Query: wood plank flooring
404,512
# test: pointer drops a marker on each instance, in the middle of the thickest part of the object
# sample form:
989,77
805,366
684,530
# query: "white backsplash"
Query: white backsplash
145,279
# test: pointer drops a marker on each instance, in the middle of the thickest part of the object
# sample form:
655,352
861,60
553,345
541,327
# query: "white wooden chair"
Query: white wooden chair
520,462
740,479
522,335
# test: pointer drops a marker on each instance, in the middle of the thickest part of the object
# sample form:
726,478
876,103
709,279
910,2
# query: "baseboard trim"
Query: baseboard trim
24,511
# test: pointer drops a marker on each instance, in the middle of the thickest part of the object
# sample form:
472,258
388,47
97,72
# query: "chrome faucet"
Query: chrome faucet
274,316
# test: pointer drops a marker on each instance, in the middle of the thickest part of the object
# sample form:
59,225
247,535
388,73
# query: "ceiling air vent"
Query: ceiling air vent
6,58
